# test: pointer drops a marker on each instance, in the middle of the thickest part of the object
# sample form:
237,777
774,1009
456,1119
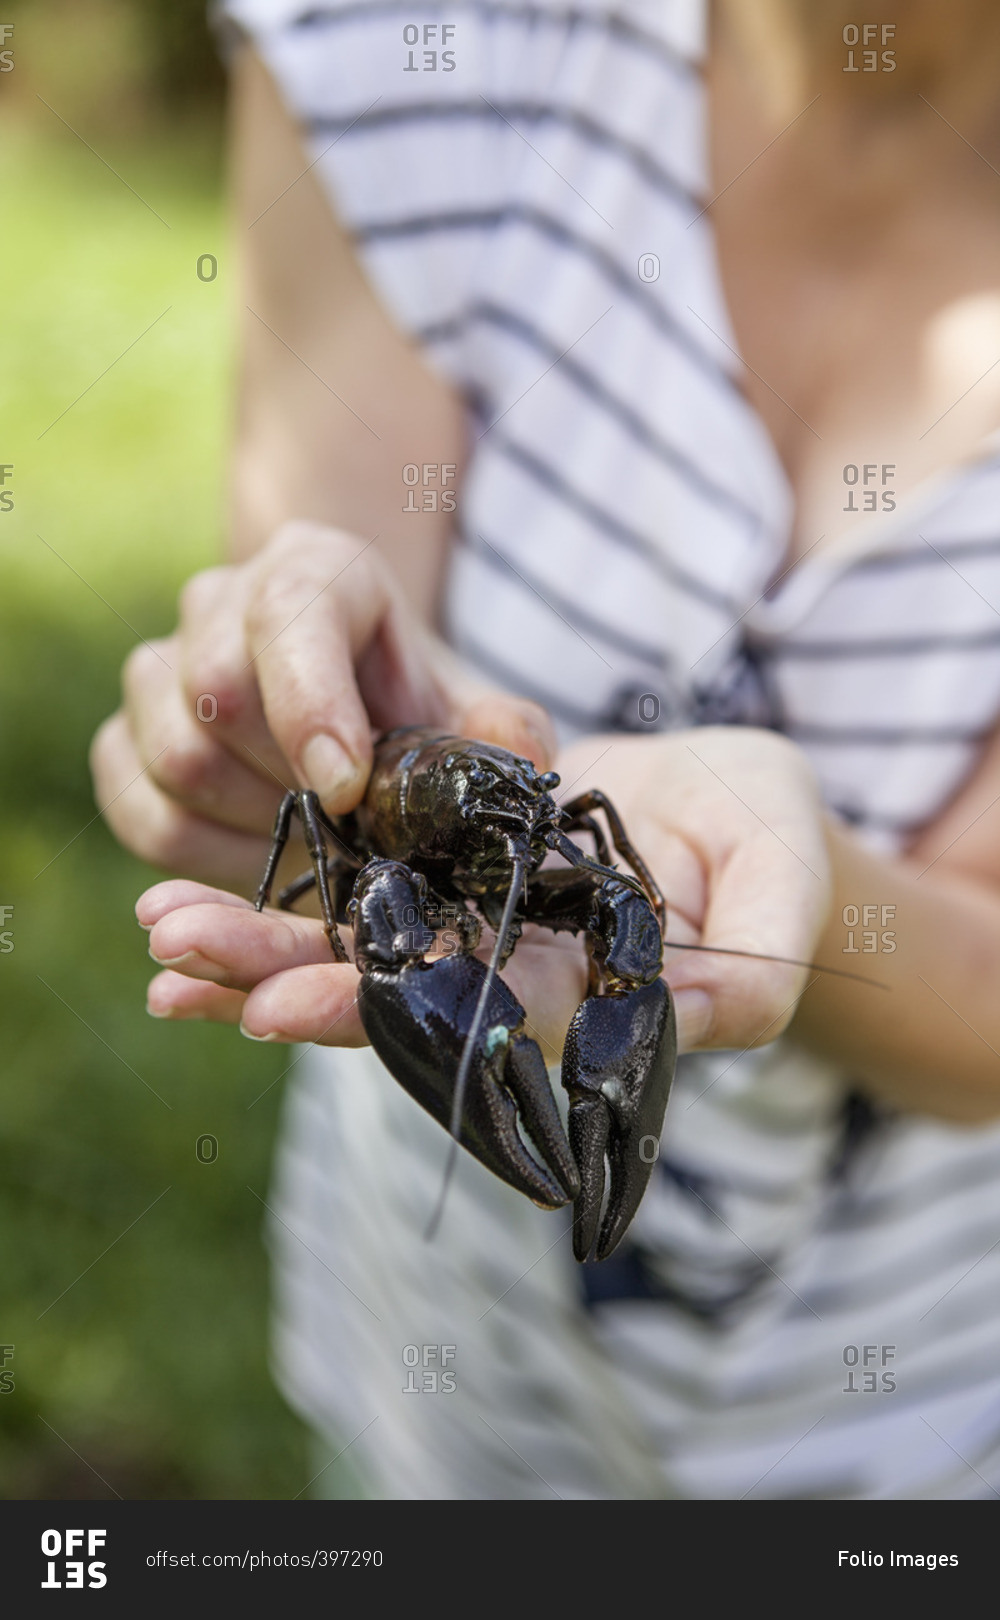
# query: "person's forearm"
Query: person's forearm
930,1043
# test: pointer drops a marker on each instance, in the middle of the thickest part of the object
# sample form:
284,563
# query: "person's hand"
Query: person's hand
276,676
731,823
728,819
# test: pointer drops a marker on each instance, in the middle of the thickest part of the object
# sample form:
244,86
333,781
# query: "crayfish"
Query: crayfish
456,831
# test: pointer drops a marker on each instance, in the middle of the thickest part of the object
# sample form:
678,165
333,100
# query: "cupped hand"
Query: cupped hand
731,823
728,819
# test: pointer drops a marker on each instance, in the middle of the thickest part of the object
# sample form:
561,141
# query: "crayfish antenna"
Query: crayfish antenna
790,961
519,875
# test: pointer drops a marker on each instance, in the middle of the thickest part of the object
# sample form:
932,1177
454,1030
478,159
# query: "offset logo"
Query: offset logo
66,1566
432,1381
432,61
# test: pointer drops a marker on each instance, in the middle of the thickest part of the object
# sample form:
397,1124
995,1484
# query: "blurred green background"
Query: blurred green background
137,1314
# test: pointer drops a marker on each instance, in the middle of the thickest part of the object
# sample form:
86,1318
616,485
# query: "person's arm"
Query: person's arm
333,401
933,1043
283,661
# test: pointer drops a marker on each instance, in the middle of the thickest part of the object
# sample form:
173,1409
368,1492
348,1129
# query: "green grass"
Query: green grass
152,1365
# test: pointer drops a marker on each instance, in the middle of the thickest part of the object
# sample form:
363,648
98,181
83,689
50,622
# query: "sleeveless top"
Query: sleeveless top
807,1304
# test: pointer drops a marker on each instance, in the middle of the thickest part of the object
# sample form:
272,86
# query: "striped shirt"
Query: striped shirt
807,1304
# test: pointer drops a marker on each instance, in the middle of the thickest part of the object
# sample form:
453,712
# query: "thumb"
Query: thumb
517,724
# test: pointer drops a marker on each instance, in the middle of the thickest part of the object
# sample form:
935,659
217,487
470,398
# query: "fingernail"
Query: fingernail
176,961
326,767
172,1010
694,1017
272,1035
206,968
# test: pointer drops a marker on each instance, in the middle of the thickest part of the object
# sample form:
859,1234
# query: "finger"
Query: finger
315,603
517,724
176,892
317,1004
157,829
217,676
766,902
236,946
185,758
171,995
680,872
693,1010
408,676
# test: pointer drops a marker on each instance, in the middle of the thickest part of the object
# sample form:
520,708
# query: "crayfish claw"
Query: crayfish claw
528,1082
589,1129
618,1067
418,1015
491,1132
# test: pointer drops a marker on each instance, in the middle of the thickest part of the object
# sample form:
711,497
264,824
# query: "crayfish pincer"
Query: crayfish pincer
449,833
